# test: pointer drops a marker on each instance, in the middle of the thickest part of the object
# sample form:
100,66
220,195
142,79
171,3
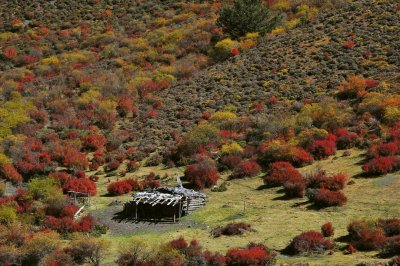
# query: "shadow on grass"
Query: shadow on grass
262,187
120,217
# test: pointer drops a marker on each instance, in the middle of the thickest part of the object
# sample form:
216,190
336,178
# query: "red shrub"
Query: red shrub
320,179
119,187
235,52
327,229
150,182
280,172
94,141
231,161
202,173
72,158
135,184
326,198
10,173
349,44
179,244
253,254
390,226
350,249
214,259
83,185
370,83
84,225
10,52
388,149
62,225
295,186
62,177
246,169
345,139
381,165
366,235
111,166
69,210
322,149
309,242
301,158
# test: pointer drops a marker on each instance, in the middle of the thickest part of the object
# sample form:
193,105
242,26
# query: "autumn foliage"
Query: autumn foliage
203,173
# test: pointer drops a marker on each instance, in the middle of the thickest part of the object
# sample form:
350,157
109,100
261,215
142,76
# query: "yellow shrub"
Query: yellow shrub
232,148
52,60
392,115
291,24
278,30
224,120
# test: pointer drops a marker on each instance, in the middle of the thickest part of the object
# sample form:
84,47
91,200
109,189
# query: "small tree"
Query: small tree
246,16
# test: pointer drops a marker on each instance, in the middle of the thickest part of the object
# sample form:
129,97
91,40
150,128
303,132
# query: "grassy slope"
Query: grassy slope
277,221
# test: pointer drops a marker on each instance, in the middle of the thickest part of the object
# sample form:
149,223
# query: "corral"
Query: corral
164,204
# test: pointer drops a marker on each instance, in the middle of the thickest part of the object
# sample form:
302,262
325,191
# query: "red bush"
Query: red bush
62,177
214,259
350,249
301,158
280,172
72,158
381,165
135,184
349,44
84,224
10,52
295,186
387,149
345,139
83,185
10,173
202,173
246,169
327,229
235,52
231,161
390,226
94,141
253,254
111,166
366,235
326,198
69,210
179,244
119,187
309,242
320,179
150,182
322,149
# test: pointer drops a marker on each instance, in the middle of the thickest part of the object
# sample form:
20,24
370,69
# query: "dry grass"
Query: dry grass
277,221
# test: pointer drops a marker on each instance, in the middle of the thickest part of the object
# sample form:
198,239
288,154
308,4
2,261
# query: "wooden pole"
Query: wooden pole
136,211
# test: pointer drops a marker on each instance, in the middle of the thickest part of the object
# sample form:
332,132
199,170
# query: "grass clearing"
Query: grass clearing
277,221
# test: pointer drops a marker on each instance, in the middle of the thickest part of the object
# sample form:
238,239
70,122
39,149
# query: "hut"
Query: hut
164,203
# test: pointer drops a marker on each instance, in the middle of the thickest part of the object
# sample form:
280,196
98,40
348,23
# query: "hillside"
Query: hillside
293,135
309,62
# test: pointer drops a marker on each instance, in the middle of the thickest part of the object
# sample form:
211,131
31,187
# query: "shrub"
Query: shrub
295,186
350,249
387,149
83,185
202,173
69,210
365,235
327,229
231,161
246,16
352,88
43,189
119,187
150,182
253,254
278,151
2,188
94,141
279,173
201,136
390,226
326,198
10,173
345,139
61,177
214,259
231,229
88,250
322,149
320,179
309,242
246,169
111,166
392,245
394,261
381,165
7,215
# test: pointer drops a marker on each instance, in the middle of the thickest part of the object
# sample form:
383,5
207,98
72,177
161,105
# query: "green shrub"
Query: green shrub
245,16
2,188
7,215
